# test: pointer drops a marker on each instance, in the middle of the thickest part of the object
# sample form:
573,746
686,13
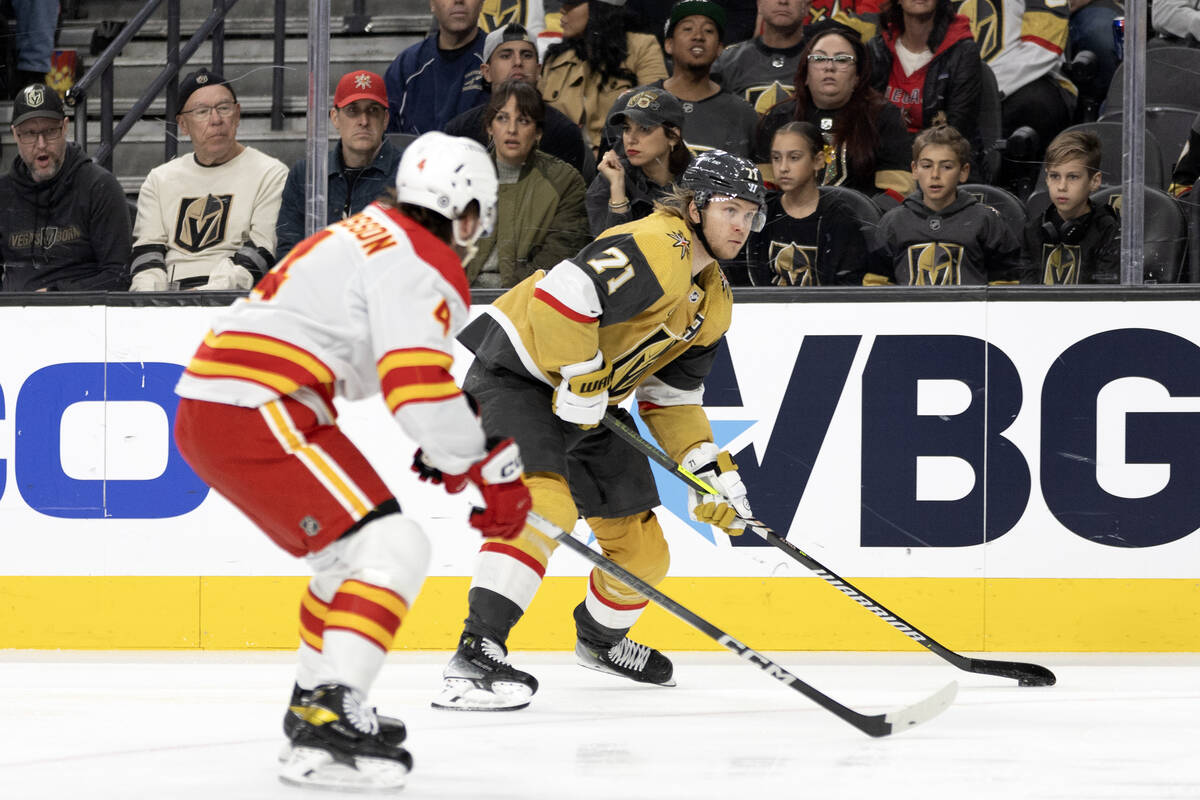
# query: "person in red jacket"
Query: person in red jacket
926,62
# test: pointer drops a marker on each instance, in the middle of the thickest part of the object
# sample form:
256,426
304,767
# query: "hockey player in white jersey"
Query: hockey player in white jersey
371,304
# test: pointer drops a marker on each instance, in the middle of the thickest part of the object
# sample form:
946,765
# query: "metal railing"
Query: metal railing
102,71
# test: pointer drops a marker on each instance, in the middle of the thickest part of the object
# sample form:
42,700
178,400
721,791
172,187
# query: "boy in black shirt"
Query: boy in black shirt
1074,240
940,236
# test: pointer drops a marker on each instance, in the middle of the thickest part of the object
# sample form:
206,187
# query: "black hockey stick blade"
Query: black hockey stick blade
878,725
1024,674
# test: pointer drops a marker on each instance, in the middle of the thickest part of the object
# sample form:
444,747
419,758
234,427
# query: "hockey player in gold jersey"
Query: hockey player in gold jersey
640,310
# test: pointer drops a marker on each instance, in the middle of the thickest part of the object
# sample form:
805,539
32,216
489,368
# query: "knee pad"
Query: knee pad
636,543
391,551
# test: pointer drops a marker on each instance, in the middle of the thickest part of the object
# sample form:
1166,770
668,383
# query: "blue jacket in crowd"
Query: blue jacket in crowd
427,87
343,199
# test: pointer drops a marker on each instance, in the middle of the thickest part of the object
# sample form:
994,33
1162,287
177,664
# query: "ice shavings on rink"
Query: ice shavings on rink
191,726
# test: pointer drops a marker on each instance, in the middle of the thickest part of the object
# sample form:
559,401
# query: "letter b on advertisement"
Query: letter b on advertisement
40,476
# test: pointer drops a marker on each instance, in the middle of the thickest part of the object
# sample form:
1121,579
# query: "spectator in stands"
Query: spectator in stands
1187,168
869,147
1025,50
439,77
940,236
653,15
654,155
361,165
596,61
1090,28
761,70
37,21
712,117
540,215
810,238
861,15
206,220
511,52
64,225
1074,240
926,63
1177,20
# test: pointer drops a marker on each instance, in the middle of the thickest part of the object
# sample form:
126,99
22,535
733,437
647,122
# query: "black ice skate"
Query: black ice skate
628,659
336,743
391,729
479,678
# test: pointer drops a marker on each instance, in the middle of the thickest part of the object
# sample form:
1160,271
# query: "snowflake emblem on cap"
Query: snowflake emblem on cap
362,81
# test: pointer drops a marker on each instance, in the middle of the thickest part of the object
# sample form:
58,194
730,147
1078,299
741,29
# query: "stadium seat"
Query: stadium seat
1170,125
1010,208
1170,80
1111,146
990,128
865,211
1166,232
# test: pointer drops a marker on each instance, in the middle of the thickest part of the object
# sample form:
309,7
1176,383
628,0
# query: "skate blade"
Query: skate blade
607,671
463,694
311,767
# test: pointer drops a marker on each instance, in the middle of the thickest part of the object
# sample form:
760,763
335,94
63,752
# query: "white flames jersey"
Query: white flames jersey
370,304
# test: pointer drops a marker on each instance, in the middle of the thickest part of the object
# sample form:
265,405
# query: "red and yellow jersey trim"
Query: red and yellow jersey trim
416,375
263,360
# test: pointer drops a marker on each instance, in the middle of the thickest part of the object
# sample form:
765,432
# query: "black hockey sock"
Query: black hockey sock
491,615
592,633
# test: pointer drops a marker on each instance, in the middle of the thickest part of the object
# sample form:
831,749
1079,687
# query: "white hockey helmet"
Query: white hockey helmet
444,174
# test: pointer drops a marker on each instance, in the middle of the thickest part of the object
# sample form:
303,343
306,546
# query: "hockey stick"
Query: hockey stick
878,725
1024,674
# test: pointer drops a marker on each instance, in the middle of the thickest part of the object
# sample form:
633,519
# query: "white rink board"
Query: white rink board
213,539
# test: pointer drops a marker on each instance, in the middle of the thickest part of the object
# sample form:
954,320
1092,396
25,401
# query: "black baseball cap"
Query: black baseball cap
198,80
650,106
37,100
705,8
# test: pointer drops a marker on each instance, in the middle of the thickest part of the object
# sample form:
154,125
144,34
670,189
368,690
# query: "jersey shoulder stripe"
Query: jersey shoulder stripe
562,308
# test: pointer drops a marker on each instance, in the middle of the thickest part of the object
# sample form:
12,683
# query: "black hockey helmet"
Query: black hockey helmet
715,172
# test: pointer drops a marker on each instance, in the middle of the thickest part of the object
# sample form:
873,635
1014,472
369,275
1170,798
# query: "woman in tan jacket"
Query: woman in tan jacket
597,60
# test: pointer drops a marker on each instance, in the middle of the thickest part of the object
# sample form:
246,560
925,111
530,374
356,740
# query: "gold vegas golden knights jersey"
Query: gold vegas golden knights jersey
630,294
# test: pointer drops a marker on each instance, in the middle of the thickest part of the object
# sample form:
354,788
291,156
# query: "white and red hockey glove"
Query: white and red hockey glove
498,477
507,500
728,509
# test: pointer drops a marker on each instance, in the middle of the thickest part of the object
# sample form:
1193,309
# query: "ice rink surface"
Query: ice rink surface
92,726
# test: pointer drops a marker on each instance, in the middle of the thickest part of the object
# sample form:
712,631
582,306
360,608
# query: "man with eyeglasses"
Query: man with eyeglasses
64,224
361,165
206,220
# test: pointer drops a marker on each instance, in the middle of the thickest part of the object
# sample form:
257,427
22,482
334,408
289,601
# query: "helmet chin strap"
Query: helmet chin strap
699,229
468,245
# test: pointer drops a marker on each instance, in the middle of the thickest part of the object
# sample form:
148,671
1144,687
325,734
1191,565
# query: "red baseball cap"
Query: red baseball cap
360,85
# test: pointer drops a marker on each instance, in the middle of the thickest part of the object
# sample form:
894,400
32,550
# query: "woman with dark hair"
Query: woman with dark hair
926,63
811,238
540,217
651,123
597,60
868,147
